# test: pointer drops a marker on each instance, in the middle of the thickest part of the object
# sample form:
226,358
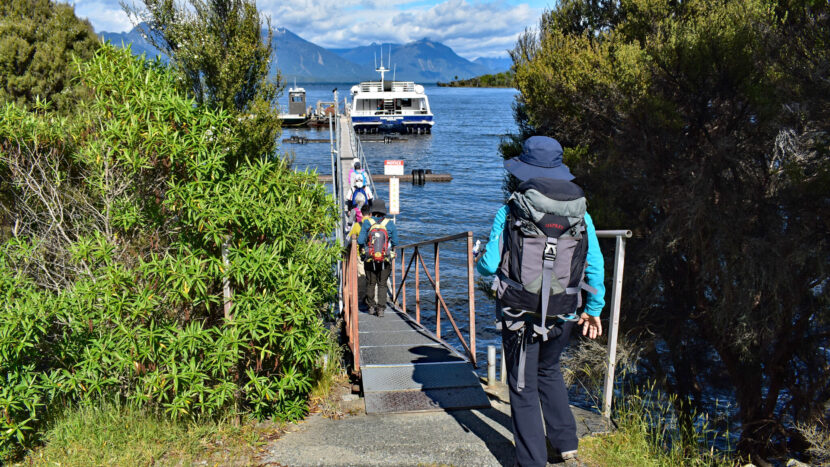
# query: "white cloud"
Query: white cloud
105,15
472,28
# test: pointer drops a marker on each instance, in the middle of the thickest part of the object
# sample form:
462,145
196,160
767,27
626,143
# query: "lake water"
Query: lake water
469,124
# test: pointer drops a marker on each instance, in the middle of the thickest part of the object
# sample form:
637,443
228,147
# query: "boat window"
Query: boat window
297,98
406,102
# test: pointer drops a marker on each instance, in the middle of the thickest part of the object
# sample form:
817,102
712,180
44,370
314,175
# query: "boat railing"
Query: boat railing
397,86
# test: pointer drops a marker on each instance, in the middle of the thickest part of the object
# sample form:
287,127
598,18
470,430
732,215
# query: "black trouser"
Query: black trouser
377,274
543,383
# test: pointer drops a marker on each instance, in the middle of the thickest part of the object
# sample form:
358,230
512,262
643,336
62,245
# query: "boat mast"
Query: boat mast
382,70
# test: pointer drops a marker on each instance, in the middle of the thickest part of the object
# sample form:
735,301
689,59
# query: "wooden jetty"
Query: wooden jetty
404,367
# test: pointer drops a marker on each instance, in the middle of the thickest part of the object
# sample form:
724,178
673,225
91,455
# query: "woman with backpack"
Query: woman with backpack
544,251
378,235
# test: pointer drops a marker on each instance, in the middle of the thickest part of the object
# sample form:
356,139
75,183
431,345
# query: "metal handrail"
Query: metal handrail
614,320
435,281
357,149
350,310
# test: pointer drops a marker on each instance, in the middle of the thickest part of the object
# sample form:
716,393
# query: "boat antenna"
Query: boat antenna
390,55
394,69
382,70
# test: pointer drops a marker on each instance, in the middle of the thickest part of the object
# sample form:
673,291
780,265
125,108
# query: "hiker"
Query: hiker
357,172
378,235
541,241
361,269
358,188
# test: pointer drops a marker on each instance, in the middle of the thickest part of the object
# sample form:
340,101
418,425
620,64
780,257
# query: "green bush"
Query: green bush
113,277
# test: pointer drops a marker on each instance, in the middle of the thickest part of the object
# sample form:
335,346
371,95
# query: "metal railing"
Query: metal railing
350,302
435,281
614,319
357,151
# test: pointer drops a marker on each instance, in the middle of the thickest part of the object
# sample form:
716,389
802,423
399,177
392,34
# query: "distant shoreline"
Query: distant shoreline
499,80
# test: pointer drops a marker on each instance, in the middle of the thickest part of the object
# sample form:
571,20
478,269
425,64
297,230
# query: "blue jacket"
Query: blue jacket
390,229
490,260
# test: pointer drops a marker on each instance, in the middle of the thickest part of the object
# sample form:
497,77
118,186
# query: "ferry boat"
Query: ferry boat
379,106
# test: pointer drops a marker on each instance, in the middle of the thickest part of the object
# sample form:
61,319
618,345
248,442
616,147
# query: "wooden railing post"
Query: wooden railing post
403,281
471,294
437,291
417,289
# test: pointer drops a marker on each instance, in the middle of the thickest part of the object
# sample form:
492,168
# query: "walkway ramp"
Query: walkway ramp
405,368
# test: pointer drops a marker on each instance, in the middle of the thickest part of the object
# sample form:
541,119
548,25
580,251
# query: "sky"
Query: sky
473,28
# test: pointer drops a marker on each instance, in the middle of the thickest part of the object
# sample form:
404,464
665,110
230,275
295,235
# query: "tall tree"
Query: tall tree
703,125
38,40
222,57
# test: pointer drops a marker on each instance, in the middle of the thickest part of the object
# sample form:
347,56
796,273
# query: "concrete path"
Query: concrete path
465,437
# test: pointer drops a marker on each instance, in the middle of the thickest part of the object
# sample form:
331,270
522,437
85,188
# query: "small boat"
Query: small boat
297,114
380,106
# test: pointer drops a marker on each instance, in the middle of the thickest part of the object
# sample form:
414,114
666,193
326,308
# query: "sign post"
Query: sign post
394,196
394,168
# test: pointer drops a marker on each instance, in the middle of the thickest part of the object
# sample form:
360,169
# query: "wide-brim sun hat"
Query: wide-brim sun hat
378,206
541,157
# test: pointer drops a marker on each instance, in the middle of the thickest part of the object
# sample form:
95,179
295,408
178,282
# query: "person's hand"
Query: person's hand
591,326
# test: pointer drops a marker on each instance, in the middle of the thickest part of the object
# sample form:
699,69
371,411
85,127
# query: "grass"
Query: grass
649,434
111,434
116,435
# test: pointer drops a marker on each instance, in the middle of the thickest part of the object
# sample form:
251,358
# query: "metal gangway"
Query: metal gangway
403,366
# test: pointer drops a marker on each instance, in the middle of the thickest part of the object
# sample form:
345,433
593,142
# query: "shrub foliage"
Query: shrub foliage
38,39
703,126
113,272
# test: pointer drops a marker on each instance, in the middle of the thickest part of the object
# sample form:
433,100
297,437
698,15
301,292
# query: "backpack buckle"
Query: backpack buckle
550,250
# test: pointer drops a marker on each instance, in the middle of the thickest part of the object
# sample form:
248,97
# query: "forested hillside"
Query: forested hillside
498,80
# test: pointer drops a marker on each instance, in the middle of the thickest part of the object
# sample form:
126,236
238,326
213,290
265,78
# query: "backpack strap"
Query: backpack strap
548,258
372,221
384,222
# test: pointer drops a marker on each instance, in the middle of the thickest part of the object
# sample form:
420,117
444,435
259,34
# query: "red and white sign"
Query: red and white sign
394,195
393,167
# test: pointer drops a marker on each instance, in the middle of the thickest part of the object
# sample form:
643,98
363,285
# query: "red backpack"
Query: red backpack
377,241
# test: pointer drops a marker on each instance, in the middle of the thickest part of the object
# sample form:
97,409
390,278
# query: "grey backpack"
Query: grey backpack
544,248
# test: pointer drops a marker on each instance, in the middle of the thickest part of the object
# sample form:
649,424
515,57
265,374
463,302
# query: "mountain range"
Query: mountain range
423,61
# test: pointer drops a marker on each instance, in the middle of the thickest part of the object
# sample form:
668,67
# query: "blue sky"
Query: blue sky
473,28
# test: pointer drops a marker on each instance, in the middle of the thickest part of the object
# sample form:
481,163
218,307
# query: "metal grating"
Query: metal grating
407,354
432,376
373,339
428,399
391,321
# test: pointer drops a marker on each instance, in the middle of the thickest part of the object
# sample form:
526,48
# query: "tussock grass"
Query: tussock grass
121,435
651,432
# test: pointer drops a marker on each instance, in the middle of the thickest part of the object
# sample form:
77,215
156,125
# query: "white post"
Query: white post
491,365
503,375
614,323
